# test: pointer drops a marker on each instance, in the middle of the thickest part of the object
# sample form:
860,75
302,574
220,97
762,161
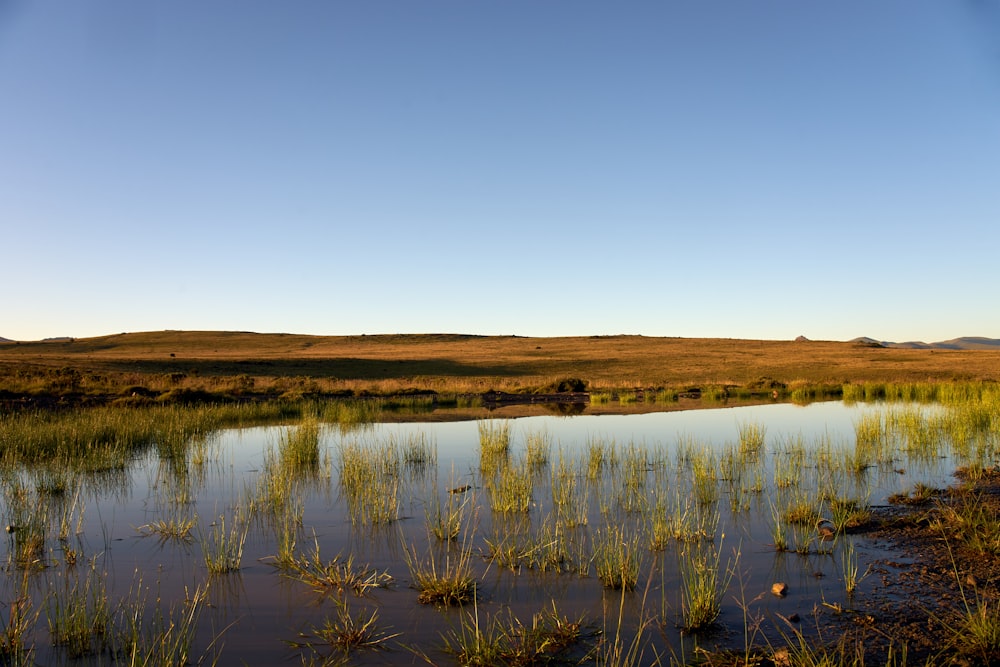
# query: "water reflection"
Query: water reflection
720,502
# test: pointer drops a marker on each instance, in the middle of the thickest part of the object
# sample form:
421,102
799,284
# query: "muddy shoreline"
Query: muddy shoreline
925,579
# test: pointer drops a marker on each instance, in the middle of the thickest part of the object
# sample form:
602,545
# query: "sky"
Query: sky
724,169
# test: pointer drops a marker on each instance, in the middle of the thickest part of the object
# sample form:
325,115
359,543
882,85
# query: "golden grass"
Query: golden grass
290,364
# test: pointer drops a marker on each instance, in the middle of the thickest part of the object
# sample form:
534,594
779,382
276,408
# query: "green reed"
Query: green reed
498,640
222,548
703,583
370,480
538,449
338,575
161,638
616,557
78,613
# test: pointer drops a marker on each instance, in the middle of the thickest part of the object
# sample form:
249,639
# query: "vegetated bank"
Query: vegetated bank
192,366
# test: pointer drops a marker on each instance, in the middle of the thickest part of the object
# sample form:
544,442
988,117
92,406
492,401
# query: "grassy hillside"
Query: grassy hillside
271,364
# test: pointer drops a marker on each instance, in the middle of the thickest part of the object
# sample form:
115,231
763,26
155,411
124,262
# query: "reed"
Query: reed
166,638
752,436
445,520
299,447
616,558
494,437
222,549
850,569
338,575
419,451
79,614
538,449
443,576
344,633
369,480
512,489
703,583
15,633
498,641
175,528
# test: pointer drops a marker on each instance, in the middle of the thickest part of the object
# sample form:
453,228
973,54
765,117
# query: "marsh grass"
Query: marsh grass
79,614
344,632
511,489
222,549
443,576
616,558
15,630
752,436
494,437
445,520
370,481
160,638
338,575
176,528
419,451
538,449
703,583
504,640
849,568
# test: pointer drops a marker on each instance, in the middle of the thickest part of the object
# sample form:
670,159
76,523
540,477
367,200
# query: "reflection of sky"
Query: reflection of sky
458,442
234,459
241,452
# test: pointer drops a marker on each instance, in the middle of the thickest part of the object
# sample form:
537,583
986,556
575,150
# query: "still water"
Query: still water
654,466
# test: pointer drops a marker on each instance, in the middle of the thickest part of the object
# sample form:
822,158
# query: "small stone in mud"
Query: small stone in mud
780,589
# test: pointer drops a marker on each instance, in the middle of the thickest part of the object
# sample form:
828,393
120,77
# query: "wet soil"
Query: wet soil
924,579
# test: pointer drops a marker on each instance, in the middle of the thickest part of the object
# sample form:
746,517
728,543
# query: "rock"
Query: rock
780,589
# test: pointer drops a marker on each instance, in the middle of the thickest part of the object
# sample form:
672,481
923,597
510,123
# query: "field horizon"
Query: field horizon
271,364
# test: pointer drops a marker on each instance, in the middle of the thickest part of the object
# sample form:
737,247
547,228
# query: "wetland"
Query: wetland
388,532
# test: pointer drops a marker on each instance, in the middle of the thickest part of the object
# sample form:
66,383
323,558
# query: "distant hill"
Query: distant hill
5,340
963,343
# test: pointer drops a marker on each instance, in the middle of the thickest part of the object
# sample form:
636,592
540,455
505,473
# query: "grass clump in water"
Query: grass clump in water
616,558
223,549
339,574
506,641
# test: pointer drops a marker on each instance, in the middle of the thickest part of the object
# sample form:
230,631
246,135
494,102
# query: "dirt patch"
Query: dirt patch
938,567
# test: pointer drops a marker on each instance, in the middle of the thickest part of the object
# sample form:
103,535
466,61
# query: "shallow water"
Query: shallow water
255,612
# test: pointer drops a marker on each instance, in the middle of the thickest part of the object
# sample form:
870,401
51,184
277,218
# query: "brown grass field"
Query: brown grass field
243,363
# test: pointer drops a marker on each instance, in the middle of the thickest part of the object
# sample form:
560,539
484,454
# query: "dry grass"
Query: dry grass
276,364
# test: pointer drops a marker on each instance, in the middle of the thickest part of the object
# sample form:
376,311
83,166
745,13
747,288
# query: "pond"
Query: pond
653,533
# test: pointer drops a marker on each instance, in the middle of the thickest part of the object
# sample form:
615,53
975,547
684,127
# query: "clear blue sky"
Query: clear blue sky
562,167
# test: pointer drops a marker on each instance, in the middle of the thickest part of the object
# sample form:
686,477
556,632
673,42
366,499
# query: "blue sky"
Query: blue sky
723,169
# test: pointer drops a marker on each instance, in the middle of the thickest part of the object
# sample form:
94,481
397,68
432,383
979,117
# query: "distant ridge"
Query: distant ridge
963,343
5,340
